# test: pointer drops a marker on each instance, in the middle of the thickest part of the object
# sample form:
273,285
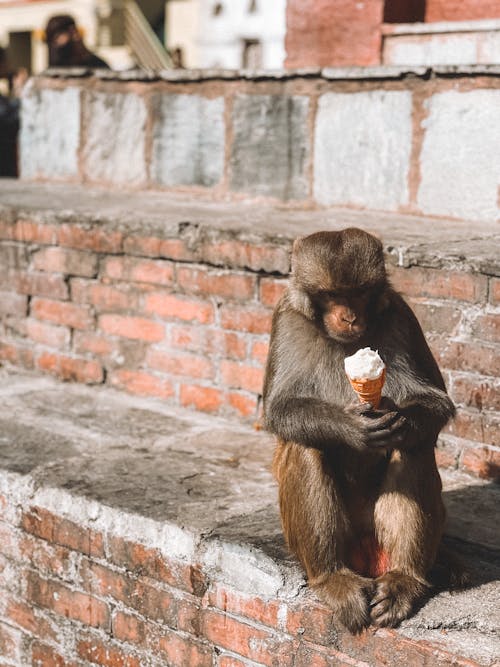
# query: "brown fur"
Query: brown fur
357,487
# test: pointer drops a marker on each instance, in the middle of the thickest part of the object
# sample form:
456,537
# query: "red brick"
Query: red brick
45,656
13,304
478,426
271,290
70,368
99,240
244,405
46,525
176,611
482,461
50,560
84,341
11,643
69,314
66,602
246,318
104,297
196,338
249,641
241,254
151,246
16,354
175,364
486,326
174,306
9,540
39,284
206,399
141,560
421,282
96,652
475,391
130,629
34,232
466,356
230,285
447,453
184,651
254,608
436,317
136,328
6,230
48,334
461,10
29,619
70,262
309,655
158,272
260,350
143,384
233,345
494,291
312,622
329,34
239,376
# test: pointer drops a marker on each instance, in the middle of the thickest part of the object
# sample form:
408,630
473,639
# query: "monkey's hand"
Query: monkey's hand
388,427
384,428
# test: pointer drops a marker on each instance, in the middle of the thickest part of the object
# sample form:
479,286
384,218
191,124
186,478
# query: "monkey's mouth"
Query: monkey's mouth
348,335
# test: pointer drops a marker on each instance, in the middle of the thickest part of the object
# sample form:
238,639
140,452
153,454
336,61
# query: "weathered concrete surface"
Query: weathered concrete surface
372,129
50,133
461,127
201,487
188,140
115,142
408,239
271,146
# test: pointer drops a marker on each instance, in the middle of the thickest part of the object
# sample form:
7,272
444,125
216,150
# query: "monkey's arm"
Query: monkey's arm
296,407
415,384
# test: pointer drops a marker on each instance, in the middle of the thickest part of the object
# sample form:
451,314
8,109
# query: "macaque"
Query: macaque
359,491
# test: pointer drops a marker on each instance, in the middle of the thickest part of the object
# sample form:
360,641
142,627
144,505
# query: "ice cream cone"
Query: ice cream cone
369,391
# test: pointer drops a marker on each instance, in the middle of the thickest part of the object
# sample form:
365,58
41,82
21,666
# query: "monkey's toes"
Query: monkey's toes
394,598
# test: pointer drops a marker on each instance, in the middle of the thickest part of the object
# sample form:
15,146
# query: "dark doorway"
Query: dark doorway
20,50
404,11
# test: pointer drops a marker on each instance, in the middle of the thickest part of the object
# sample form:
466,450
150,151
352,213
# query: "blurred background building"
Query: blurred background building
267,34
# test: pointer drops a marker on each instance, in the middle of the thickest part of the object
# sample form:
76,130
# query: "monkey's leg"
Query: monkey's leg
316,527
409,519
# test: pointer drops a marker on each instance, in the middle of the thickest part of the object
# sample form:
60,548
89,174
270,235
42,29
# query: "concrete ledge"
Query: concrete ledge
150,534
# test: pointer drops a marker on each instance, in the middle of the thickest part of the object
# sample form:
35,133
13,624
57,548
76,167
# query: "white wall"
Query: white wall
217,41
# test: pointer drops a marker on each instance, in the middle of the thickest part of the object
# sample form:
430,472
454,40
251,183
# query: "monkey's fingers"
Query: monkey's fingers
359,408
384,422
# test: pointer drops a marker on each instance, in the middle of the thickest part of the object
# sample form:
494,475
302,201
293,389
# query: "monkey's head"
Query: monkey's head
339,279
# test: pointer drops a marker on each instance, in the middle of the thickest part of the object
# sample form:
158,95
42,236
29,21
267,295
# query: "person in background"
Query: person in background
9,116
66,46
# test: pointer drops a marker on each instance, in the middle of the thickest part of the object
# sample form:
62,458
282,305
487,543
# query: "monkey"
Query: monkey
359,490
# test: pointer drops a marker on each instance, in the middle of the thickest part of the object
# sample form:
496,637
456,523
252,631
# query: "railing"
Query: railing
142,40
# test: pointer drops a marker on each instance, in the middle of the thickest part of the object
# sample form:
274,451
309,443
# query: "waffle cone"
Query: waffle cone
369,391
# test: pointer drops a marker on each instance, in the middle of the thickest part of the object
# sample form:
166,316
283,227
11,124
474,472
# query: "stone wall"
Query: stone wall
419,141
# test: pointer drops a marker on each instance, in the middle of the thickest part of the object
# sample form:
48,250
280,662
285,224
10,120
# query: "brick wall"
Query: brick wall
188,321
461,10
403,141
75,592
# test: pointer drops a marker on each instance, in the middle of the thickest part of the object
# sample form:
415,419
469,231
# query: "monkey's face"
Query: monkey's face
344,315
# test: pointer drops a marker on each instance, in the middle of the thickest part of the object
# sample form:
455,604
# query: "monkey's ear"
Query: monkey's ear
296,244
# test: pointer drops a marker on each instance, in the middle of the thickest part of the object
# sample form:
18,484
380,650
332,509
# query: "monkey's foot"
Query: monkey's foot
395,596
348,594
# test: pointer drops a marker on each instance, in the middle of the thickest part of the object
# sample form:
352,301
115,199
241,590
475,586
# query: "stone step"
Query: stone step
133,529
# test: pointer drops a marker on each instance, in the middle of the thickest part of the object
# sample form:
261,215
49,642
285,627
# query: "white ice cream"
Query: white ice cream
366,364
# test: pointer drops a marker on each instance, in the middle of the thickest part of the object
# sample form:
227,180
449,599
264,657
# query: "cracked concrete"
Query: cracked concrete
199,488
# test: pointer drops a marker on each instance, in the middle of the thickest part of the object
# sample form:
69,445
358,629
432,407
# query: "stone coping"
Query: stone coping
409,240
199,489
486,25
380,72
